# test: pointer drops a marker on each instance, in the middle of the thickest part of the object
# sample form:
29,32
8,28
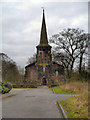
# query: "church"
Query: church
44,70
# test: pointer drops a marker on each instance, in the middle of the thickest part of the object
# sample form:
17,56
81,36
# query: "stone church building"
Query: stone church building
44,70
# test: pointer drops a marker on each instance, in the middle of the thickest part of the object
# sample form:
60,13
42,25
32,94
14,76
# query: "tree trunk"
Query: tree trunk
80,63
72,64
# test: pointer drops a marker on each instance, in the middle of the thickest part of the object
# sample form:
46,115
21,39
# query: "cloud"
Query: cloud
33,25
21,24
81,19
62,21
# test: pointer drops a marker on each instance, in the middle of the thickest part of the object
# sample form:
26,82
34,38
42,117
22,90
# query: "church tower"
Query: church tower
44,71
44,58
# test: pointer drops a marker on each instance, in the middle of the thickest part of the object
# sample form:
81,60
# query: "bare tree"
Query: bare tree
83,49
69,45
31,59
61,58
10,71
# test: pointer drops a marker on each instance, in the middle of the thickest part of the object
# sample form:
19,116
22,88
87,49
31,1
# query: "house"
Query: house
44,70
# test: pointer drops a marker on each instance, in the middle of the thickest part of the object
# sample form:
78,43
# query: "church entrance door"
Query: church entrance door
44,81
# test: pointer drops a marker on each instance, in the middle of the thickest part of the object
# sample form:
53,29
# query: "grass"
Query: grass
77,87
60,91
74,108
77,106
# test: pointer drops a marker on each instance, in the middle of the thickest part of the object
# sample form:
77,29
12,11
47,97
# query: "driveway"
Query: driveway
32,103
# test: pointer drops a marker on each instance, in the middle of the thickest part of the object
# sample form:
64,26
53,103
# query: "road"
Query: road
32,103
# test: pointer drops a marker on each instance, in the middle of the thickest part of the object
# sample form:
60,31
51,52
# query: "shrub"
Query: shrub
83,76
5,87
53,85
18,86
5,90
33,84
1,89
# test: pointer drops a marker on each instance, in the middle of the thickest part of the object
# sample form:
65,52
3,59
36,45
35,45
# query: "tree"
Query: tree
69,45
83,48
61,58
31,59
10,71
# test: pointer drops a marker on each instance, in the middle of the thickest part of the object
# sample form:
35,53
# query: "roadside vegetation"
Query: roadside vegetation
59,90
77,106
32,84
71,50
10,73
5,87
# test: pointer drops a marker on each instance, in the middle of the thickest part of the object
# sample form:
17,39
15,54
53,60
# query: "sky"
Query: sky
21,24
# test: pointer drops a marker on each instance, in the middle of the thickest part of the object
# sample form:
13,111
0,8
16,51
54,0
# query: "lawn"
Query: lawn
60,91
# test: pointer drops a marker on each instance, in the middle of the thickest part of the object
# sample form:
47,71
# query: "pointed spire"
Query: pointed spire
43,36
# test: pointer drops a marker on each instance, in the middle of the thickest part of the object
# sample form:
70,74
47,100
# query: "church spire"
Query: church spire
43,36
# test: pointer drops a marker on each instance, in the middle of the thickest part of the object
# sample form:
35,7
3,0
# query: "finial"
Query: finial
42,8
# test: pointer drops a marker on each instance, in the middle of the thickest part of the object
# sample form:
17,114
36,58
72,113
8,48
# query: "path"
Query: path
32,103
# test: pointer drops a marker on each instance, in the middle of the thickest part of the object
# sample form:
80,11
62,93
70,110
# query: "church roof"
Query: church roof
57,64
31,64
53,63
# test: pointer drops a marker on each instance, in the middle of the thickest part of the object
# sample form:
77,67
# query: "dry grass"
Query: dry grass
77,87
76,107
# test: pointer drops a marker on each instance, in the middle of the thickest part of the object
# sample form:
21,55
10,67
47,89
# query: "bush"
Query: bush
5,87
19,86
5,90
83,76
33,84
1,89
53,85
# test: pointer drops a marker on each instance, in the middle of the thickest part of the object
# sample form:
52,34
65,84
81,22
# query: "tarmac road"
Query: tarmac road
32,103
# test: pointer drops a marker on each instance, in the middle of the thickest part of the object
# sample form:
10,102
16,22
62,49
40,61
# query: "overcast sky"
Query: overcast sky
21,24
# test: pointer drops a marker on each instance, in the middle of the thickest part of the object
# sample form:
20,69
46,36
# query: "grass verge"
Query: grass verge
77,106
60,91
74,108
